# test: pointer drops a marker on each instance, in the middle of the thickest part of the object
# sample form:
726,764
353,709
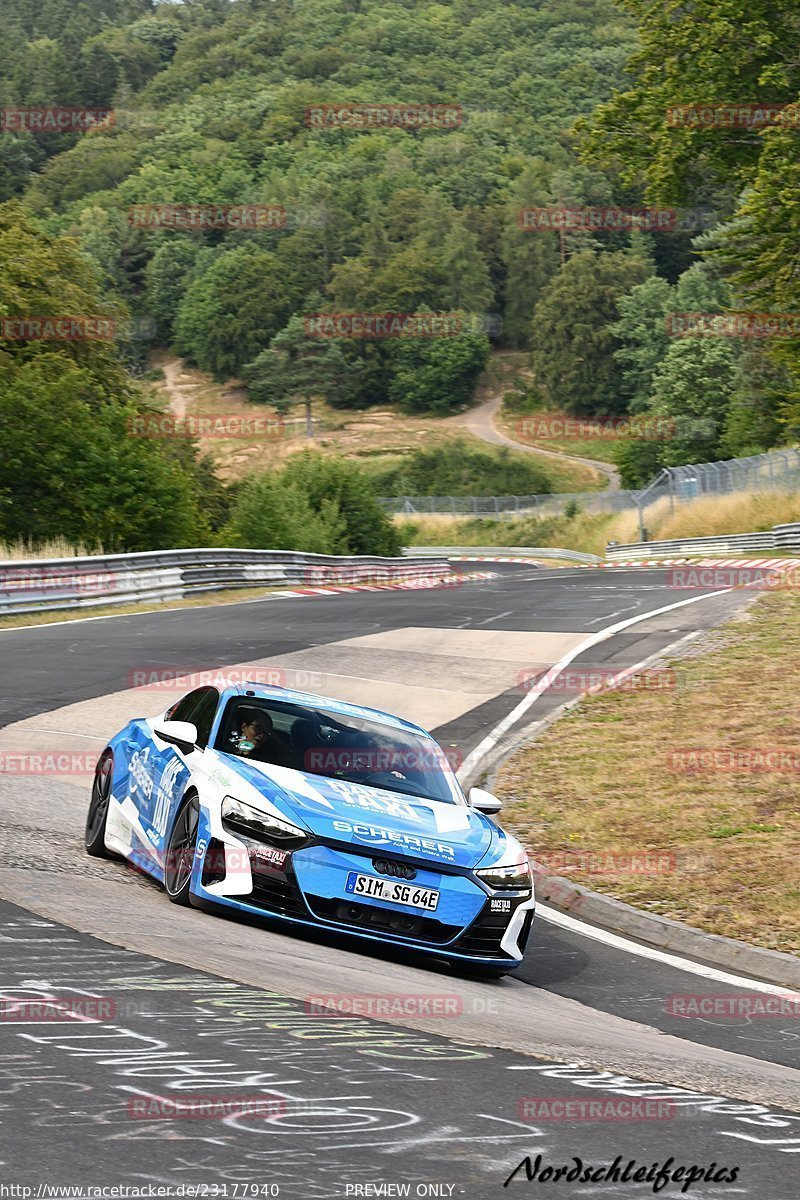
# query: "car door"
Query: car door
170,767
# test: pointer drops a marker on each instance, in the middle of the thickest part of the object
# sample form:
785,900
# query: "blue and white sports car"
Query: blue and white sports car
315,812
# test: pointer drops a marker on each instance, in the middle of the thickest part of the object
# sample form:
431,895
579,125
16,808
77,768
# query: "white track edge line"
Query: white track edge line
574,925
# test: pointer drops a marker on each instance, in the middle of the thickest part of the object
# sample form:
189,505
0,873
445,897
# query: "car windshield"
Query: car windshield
339,746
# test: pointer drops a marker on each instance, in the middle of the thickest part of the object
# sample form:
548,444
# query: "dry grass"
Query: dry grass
54,548
740,513
586,532
372,436
590,533
602,782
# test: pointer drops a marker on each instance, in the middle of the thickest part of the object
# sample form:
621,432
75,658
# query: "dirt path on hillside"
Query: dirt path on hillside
181,385
177,385
480,422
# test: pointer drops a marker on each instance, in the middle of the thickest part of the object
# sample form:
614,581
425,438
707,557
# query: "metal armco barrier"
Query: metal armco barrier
787,537
41,585
784,537
503,552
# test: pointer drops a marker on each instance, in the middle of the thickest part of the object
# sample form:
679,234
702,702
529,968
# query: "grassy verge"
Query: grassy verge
590,532
604,783
585,532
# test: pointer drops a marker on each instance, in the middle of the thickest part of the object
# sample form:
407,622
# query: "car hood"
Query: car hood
378,820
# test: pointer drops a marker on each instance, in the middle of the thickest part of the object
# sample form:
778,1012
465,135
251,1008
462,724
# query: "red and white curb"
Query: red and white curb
534,562
758,563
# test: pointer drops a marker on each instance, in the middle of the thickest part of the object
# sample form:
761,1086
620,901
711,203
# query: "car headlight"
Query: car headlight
244,820
516,875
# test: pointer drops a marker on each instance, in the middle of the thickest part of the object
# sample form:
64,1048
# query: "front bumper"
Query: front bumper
471,923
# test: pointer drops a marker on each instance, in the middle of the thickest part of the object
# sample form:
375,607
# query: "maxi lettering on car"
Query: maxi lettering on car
357,795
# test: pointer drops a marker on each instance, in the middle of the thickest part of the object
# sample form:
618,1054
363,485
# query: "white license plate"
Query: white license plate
392,889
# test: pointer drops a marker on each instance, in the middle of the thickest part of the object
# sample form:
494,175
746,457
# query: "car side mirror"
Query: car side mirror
484,802
182,734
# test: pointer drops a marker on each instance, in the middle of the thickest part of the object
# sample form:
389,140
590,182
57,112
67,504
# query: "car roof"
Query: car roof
264,691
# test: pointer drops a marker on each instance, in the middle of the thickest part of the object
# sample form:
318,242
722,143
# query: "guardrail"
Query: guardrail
785,537
41,585
503,552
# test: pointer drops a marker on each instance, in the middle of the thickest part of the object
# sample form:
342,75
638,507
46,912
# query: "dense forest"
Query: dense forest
210,105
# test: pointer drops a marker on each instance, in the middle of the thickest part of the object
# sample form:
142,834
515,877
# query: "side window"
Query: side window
182,710
204,714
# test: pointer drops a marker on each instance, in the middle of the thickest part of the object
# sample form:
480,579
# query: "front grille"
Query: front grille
364,916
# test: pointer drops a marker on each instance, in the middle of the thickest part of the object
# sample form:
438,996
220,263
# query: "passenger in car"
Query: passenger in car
258,740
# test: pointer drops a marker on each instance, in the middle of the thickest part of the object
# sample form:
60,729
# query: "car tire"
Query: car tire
94,837
180,852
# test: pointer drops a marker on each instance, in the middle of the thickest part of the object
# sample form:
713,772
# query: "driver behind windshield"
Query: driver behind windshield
255,737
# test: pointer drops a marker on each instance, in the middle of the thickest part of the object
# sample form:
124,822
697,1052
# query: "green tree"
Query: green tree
270,514
694,388
166,278
339,483
573,332
642,333
704,55
69,466
320,505
41,276
437,374
299,366
229,313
